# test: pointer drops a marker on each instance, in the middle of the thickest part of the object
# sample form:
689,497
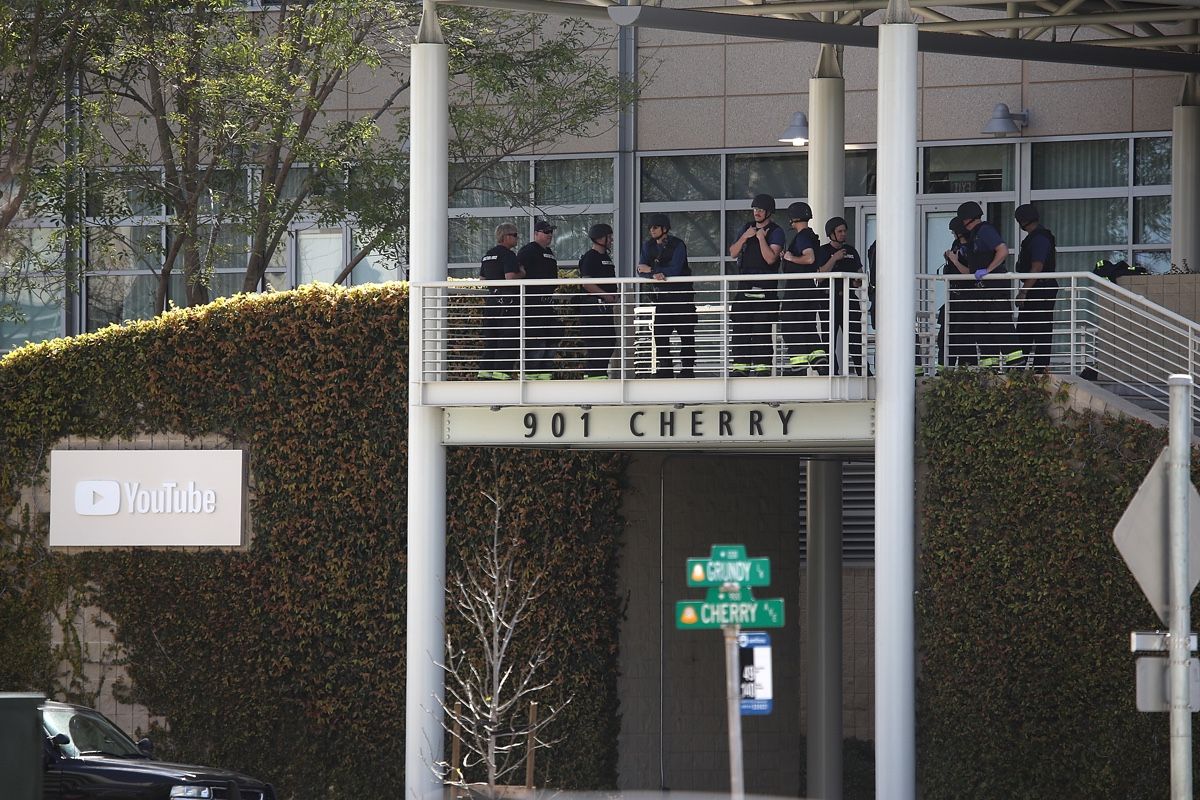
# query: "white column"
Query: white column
1185,177
895,674
827,141
425,646
826,195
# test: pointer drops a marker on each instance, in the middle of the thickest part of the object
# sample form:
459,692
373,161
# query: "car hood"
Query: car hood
189,773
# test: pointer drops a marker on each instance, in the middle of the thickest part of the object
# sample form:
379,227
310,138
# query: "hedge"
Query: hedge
1026,686
286,660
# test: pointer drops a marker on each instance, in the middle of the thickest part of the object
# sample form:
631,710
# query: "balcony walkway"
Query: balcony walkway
750,343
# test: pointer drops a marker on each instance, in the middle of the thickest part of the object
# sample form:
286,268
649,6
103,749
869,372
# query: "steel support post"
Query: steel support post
1179,485
895,673
1185,176
425,646
824,629
628,230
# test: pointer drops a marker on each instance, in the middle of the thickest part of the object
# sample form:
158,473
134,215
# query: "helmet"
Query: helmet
958,227
832,225
1026,214
599,231
970,210
799,211
765,202
659,221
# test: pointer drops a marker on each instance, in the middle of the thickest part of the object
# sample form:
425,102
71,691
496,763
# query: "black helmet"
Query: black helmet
659,221
599,231
970,210
1026,214
799,211
958,227
833,224
765,202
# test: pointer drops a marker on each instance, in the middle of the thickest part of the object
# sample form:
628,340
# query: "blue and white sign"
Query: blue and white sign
754,658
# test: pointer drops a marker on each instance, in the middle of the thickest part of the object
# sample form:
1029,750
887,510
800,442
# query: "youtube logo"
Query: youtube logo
97,498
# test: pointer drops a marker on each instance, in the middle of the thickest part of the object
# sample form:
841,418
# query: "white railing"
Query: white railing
719,332
1094,329
701,328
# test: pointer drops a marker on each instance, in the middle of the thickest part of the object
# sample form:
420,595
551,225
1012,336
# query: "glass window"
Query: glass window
116,298
571,239
860,173
1080,164
1152,161
471,237
676,179
226,190
571,182
318,255
379,265
220,284
969,168
111,194
1158,261
1152,220
295,182
30,316
222,247
124,248
504,184
699,230
777,174
1100,221
1085,260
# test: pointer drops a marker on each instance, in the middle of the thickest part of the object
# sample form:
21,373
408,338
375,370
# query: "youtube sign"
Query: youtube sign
147,498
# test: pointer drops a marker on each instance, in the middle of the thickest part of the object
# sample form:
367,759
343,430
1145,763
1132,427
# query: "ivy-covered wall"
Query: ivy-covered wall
286,660
1026,686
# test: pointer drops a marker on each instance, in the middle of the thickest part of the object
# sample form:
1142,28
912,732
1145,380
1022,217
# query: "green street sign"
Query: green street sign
727,563
706,615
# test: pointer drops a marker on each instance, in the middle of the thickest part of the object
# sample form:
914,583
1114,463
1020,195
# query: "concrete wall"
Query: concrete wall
673,730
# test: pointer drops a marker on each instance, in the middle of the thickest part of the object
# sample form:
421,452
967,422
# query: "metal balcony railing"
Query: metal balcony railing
1095,329
711,331
775,338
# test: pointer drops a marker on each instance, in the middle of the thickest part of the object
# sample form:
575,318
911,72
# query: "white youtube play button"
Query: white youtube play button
97,498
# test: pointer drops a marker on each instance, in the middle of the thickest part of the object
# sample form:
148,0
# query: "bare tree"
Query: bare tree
494,674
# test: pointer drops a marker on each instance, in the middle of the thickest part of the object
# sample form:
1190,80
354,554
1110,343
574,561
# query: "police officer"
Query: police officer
1035,300
838,255
800,309
956,325
598,304
542,328
986,254
497,359
663,257
755,307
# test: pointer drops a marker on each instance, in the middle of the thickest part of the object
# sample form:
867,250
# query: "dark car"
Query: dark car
87,757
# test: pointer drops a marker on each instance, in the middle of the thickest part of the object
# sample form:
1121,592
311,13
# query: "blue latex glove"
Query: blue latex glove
979,273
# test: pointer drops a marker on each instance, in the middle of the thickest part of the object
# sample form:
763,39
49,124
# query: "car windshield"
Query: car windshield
90,733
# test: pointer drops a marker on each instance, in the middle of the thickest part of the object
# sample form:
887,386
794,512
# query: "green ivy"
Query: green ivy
1026,683
287,660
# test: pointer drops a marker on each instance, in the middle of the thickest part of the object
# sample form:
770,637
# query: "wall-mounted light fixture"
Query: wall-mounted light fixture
1004,122
796,133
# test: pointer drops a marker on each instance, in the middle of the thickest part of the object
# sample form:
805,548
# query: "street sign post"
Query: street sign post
1159,538
728,574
